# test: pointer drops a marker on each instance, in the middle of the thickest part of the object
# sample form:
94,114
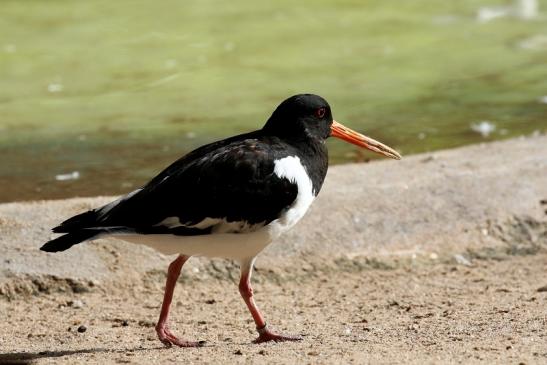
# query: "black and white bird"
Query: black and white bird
227,199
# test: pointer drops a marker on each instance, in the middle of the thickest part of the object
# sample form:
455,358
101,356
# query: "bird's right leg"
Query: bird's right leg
246,291
162,329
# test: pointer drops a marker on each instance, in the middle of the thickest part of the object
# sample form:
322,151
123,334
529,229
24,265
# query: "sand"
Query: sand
439,258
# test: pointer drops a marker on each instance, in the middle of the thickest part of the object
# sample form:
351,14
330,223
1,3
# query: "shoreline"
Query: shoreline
373,160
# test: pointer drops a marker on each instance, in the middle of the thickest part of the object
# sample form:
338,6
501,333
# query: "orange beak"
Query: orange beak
348,135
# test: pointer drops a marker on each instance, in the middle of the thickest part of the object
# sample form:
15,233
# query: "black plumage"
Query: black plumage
232,180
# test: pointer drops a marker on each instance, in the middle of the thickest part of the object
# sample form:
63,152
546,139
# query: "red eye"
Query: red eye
320,113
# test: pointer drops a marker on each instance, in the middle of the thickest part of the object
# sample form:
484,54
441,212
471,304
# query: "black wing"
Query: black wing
231,180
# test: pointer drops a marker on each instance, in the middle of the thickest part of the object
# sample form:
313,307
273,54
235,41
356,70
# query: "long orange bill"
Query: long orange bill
348,135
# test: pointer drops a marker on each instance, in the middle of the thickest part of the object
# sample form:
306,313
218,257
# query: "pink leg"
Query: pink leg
264,333
162,329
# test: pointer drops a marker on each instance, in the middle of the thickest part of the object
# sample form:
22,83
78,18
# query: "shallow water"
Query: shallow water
117,90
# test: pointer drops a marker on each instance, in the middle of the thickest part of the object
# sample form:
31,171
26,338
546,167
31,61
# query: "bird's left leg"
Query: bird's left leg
162,329
264,333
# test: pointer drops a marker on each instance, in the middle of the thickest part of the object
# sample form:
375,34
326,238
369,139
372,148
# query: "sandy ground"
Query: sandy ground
433,312
439,258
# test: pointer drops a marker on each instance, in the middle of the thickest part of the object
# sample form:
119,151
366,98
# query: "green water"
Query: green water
116,90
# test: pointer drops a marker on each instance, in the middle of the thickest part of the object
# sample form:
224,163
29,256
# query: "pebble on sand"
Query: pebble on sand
75,303
542,289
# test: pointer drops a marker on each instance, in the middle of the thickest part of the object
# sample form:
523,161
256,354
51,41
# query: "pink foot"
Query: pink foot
169,339
265,335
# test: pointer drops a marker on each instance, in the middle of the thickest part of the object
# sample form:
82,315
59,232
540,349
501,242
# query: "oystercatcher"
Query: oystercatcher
228,199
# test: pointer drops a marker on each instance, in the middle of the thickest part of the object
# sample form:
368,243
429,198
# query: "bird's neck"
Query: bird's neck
314,157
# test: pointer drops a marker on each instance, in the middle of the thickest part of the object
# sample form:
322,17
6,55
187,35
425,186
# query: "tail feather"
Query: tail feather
78,222
68,240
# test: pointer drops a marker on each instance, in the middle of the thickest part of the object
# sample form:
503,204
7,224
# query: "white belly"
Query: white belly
227,245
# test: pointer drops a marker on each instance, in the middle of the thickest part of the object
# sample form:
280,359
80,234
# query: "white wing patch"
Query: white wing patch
206,223
170,222
237,227
219,225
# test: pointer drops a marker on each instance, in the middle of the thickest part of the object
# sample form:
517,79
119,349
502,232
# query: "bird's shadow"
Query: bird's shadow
21,358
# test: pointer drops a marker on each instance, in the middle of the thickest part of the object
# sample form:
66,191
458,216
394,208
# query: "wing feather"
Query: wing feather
229,186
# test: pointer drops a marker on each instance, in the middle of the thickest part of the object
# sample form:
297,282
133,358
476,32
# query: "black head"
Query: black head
303,116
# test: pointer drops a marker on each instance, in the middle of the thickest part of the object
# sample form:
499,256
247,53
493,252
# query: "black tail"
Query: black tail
70,239
84,220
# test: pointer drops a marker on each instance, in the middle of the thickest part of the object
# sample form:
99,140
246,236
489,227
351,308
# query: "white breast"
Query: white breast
291,168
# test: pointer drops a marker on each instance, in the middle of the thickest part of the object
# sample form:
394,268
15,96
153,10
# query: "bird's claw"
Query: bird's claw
265,335
169,339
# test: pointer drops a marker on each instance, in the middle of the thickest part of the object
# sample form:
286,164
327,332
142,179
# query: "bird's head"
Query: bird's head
308,116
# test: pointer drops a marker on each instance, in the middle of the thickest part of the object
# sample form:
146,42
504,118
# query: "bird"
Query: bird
227,199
